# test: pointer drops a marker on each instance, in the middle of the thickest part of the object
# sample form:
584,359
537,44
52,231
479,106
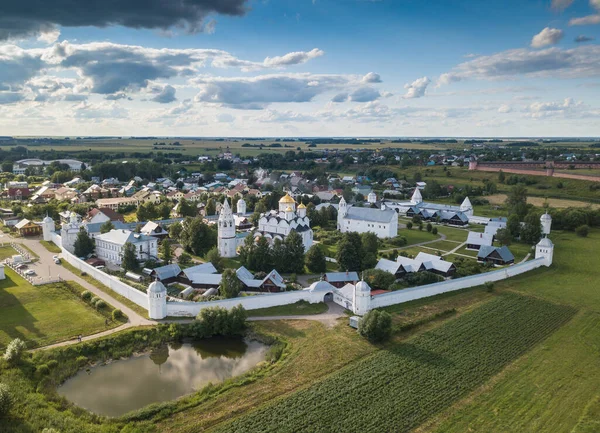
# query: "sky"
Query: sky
261,68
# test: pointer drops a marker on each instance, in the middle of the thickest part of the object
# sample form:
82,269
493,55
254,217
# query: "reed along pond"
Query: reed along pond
164,374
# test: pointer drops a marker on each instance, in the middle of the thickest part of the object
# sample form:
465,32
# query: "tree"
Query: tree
230,284
429,227
187,208
84,244
294,253
501,176
409,225
369,242
434,231
583,230
531,231
215,258
379,279
211,207
14,351
196,237
516,201
262,260
513,225
503,236
376,326
315,259
165,251
107,226
349,255
129,261
5,400
175,230
184,259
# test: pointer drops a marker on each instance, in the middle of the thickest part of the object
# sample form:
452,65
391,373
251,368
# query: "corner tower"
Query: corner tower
226,232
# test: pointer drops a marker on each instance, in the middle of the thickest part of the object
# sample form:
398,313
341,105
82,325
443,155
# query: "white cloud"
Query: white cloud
560,5
224,118
372,77
284,116
504,108
417,88
568,109
595,4
165,95
294,58
49,36
585,21
340,97
365,94
548,36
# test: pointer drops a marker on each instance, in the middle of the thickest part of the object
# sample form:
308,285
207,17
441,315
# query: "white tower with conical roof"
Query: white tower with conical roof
545,247
416,198
241,207
466,207
342,212
372,197
47,228
362,298
226,232
157,300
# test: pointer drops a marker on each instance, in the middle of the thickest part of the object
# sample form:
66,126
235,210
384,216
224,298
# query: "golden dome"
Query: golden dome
289,209
286,199
301,206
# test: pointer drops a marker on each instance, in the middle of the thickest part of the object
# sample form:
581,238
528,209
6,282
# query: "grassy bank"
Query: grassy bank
298,308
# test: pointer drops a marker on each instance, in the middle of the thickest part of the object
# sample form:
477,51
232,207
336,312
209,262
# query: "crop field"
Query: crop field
399,388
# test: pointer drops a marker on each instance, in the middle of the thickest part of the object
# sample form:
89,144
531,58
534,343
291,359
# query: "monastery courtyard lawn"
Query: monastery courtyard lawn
42,315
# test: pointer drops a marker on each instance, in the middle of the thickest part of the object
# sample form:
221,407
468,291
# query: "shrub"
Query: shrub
86,295
409,225
5,399
489,286
84,274
274,353
42,370
117,314
52,364
218,321
100,305
376,326
14,351
93,300
583,231
434,230
378,279
50,430
81,361
429,227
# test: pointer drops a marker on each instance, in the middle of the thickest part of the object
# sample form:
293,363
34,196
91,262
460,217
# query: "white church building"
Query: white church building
272,225
383,222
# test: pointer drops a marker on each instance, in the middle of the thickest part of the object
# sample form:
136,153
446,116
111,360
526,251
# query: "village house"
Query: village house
28,228
495,255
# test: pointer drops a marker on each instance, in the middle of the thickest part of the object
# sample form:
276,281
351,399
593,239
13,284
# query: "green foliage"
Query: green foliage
197,237
185,259
14,351
315,259
6,399
429,227
376,326
187,208
349,255
107,226
215,321
175,230
117,315
211,207
129,261
100,305
488,286
531,231
215,258
84,244
409,225
583,231
411,382
516,201
378,279
503,236
86,295
166,252
434,231
230,284
293,253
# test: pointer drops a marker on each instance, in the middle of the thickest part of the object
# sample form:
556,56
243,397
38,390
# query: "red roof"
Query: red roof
23,192
111,214
378,292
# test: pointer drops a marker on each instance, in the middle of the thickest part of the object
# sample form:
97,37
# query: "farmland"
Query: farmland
406,383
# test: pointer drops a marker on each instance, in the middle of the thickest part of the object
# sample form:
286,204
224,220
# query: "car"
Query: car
55,257
22,266
29,272
57,261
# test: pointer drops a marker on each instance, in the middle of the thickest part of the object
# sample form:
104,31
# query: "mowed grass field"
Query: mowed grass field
42,315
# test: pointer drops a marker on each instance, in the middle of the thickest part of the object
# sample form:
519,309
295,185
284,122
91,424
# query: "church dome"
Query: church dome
362,286
47,219
286,199
157,287
545,243
545,217
289,209
301,206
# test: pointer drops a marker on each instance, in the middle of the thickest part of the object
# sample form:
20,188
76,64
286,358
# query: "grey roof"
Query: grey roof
371,214
503,252
431,261
167,271
121,237
248,279
204,268
388,265
475,238
340,277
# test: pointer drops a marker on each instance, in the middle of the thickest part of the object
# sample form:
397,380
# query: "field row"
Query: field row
400,388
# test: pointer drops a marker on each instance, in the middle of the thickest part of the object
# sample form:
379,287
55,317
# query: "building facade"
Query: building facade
383,222
109,246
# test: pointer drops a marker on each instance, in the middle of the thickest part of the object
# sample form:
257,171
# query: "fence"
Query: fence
35,281
401,296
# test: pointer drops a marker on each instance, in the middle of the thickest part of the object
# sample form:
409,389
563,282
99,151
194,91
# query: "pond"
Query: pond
166,373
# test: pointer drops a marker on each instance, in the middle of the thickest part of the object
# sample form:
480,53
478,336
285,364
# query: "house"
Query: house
201,276
28,228
340,279
435,264
114,203
476,240
65,193
166,274
175,195
18,193
393,267
496,255
383,222
109,246
273,282
154,229
101,215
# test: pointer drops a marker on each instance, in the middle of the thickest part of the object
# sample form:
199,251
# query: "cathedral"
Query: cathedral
272,225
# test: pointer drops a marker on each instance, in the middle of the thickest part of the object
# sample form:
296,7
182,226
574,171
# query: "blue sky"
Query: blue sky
302,68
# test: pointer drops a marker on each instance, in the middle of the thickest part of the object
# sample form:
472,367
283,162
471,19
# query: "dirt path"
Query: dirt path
328,318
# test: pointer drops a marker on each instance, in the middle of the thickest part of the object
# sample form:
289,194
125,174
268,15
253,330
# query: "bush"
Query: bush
434,230
14,351
274,352
94,300
583,231
52,364
429,228
378,279
100,305
86,295
409,225
42,370
84,274
376,326
218,321
117,314
489,286
5,399
81,361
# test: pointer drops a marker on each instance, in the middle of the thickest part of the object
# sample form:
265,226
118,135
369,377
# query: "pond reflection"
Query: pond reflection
167,373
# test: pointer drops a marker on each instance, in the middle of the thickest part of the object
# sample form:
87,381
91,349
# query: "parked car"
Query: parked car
57,261
29,272
22,267
55,257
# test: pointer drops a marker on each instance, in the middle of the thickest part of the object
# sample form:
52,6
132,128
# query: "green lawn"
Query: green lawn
444,246
463,250
50,246
416,236
299,308
42,315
